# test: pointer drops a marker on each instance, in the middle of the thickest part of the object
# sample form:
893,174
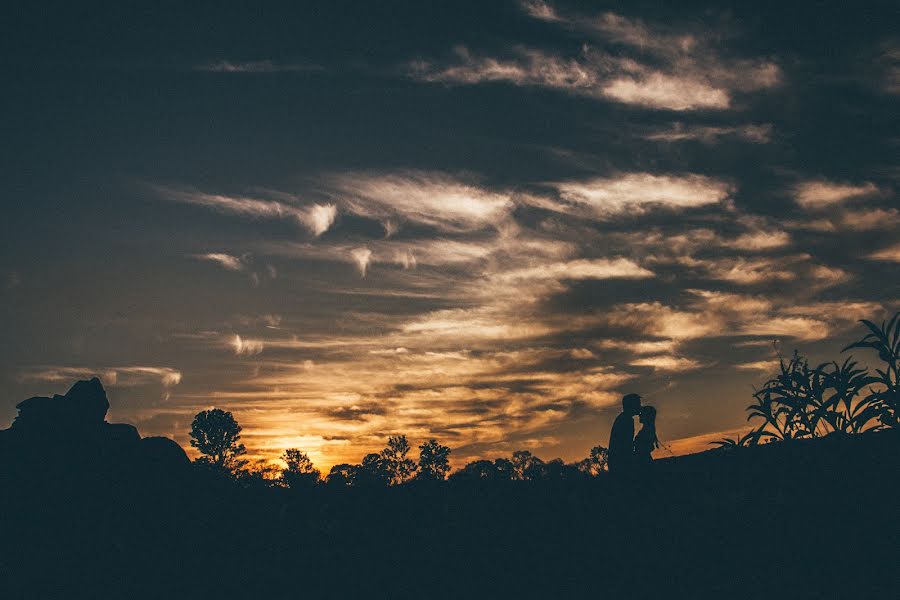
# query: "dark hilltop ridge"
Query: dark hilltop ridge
90,509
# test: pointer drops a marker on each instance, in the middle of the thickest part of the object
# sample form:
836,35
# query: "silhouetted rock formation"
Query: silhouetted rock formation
83,406
70,434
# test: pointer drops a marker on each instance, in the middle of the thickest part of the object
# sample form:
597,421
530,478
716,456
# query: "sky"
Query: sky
482,222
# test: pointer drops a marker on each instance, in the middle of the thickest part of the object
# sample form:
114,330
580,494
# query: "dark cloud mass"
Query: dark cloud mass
482,222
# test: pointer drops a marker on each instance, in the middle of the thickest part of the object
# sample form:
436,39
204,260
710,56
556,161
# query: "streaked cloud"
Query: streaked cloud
659,70
254,66
820,193
120,376
797,327
870,219
226,261
246,347
763,366
619,268
659,90
317,218
663,362
889,63
639,192
889,254
539,9
641,347
760,240
429,198
657,319
680,132
362,257
592,74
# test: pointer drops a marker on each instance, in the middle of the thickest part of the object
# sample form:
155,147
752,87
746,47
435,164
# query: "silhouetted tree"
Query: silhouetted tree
371,471
597,461
434,461
504,470
342,475
556,470
394,463
300,471
216,434
526,465
475,470
258,474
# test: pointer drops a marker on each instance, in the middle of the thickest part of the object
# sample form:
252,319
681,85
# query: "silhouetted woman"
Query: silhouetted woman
645,442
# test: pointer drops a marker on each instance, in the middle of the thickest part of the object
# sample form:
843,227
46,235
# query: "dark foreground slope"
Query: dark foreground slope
809,519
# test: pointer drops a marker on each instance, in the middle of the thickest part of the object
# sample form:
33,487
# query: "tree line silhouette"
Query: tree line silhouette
216,434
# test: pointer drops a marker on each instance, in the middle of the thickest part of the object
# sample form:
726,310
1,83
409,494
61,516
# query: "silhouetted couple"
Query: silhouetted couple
627,452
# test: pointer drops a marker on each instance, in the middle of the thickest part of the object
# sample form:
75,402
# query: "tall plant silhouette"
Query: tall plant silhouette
803,402
885,391
790,404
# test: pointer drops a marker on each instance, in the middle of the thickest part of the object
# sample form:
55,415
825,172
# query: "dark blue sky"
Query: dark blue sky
481,221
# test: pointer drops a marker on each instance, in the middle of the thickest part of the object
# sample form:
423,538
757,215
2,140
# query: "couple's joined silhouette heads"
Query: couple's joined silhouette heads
645,442
627,451
621,438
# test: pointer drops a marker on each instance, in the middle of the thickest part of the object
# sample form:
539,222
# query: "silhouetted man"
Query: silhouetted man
621,438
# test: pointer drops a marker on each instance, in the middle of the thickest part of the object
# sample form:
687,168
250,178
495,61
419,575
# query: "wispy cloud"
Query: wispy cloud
126,376
244,346
667,363
660,70
362,257
660,90
869,219
226,261
764,366
717,314
620,268
317,218
436,199
890,254
679,132
889,61
540,10
635,193
820,193
254,66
